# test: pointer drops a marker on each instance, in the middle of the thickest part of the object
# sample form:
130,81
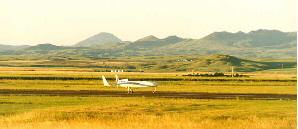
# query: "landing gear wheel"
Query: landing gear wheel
154,91
129,91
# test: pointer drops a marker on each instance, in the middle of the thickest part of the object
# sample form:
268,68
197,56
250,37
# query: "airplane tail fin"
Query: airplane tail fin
105,82
117,78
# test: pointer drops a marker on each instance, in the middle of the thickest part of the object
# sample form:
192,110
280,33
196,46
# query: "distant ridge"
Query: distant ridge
220,63
148,38
150,42
258,38
99,39
173,39
45,46
260,43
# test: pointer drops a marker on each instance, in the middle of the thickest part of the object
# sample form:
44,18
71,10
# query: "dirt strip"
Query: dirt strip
161,94
148,79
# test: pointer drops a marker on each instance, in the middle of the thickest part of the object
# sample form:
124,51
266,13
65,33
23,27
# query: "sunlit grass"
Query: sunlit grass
177,86
108,112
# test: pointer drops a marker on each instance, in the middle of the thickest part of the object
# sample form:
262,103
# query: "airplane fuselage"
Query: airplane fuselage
133,84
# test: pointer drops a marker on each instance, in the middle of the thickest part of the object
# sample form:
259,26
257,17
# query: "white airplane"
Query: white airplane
130,84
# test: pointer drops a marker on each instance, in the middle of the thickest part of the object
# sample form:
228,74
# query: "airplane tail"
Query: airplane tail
117,78
105,82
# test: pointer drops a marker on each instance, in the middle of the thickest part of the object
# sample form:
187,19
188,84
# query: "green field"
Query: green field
177,63
23,111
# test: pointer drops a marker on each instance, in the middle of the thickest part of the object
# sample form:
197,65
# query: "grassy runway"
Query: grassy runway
161,94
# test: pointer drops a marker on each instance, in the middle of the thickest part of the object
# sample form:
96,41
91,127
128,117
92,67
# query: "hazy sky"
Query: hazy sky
65,22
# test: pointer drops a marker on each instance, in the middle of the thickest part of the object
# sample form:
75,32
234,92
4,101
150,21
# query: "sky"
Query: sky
66,22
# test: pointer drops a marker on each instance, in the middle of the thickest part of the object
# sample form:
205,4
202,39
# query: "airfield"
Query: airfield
45,98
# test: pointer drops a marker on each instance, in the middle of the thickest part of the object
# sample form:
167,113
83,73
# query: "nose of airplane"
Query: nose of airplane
154,84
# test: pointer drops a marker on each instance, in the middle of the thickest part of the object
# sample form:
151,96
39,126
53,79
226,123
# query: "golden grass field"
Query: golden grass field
38,111
131,113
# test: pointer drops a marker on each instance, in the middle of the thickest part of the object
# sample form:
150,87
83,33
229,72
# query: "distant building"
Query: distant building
117,70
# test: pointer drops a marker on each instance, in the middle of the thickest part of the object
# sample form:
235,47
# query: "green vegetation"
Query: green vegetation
211,63
37,109
216,74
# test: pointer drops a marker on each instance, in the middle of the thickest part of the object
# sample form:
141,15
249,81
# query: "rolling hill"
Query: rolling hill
261,43
151,42
44,47
5,49
210,63
258,38
214,62
148,39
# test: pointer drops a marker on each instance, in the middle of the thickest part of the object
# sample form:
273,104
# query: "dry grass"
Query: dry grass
58,112
29,121
91,112
178,86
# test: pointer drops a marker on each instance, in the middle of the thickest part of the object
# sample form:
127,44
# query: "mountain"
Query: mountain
172,39
41,49
99,39
148,39
151,42
255,44
12,47
259,43
45,47
258,38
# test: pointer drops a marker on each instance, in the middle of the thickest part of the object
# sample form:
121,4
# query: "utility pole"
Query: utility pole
282,66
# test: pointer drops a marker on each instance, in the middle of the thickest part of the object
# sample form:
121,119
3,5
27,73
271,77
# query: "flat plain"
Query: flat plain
75,98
